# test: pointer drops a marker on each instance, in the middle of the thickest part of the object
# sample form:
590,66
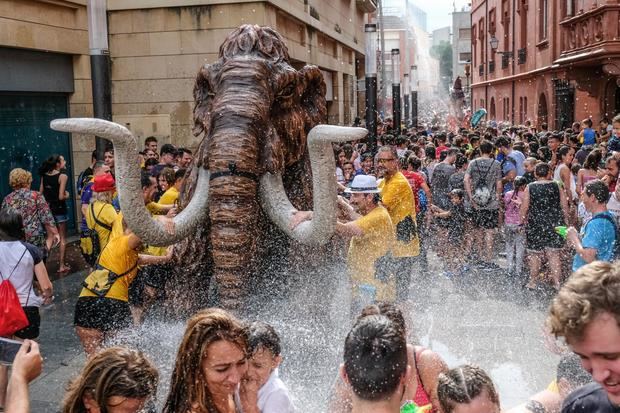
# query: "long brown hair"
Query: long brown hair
116,371
188,387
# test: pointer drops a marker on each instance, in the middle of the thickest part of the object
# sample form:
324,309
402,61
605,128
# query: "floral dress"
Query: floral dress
35,212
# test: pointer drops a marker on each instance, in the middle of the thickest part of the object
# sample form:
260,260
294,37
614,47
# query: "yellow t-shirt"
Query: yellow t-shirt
366,249
397,197
119,258
105,214
168,198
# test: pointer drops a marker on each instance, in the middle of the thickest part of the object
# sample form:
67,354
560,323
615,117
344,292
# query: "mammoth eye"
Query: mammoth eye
287,91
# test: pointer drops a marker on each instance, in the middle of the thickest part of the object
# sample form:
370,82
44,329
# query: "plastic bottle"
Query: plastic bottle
368,294
409,407
561,230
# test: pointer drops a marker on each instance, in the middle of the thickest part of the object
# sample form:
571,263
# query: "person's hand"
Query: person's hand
172,212
572,235
299,217
248,395
28,362
474,205
167,223
169,252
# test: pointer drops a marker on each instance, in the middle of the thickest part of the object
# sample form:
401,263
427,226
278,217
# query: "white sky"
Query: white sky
438,11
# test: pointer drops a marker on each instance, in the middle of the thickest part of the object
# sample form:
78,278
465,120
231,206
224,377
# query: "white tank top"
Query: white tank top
557,177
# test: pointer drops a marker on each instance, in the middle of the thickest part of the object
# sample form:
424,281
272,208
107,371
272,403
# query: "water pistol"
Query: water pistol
561,230
409,407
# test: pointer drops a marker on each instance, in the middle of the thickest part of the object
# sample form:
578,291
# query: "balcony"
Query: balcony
481,70
505,60
366,6
590,36
491,66
521,56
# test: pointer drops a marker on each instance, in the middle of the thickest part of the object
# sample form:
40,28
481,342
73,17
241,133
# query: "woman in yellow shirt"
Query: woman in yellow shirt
102,308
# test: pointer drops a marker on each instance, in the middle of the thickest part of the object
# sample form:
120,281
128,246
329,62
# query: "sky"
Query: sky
438,11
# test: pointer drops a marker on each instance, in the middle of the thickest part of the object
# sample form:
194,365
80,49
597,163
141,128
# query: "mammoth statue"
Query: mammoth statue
263,155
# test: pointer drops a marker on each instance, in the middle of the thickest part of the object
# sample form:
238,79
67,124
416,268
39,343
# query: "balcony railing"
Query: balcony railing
521,56
594,30
505,60
366,6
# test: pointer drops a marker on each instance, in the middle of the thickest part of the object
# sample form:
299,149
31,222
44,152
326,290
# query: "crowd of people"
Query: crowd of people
545,195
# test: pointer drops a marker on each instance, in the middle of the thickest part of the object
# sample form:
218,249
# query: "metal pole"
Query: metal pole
406,88
100,66
396,91
383,84
371,85
414,96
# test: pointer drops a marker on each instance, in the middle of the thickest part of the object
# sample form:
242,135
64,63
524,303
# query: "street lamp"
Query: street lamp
414,96
371,85
396,91
495,44
99,66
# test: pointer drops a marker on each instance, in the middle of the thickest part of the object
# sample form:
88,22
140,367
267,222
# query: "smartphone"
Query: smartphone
8,350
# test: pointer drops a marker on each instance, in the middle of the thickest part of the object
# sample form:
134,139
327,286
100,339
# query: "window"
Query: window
523,25
570,8
464,57
544,14
492,21
465,33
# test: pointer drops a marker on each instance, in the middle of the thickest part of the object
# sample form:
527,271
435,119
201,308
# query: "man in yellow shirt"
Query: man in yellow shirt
397,197
372,236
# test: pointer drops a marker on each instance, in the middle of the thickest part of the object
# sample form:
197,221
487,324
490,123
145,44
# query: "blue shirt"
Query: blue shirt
599,234
589,137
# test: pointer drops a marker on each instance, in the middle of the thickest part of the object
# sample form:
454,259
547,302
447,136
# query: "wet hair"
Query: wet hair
389,148
429,152
404,159
587,122
415,162
389,310
599,189
555,136
571,370
453,152
461,160
563,151
116,371
486,147
462,385
348,150
188,387
145,180
182,151
49,164
533,147
542,170
167,148
149,140
375,358
168,174
519,182
262,335
591,290
11,225
150,162
545,154
458,193
20,178
593,160
179,174
502,143
616,119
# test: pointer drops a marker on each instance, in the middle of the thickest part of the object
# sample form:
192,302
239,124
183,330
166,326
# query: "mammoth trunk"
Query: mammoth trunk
232,211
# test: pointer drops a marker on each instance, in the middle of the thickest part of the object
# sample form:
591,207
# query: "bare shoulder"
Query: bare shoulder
428,359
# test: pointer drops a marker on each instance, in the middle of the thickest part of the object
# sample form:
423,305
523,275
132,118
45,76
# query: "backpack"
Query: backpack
101,279
12,315
482,195
606,217
82,180
90,245
423,200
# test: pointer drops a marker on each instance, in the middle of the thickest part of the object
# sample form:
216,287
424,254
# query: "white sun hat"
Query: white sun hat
363,184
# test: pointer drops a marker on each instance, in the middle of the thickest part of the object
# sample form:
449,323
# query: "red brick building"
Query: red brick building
555,60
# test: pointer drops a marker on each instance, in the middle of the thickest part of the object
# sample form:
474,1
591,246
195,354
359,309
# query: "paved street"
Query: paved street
474,319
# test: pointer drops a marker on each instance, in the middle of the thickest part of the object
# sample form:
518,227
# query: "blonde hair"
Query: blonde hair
20,178
591,290
107,197
462,385
116,371
188,387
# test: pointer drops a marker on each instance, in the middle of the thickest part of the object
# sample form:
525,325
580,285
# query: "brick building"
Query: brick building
156,49
555,60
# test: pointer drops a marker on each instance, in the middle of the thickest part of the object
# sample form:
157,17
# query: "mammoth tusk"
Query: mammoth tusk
277,205
129,183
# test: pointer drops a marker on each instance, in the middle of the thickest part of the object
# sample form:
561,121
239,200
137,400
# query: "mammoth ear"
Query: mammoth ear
313,96
203,97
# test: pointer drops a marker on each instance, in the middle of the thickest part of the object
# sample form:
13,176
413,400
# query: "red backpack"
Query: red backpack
12,316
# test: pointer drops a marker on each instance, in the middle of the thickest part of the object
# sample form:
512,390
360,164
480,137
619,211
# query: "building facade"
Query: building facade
555,61
156,48
461,45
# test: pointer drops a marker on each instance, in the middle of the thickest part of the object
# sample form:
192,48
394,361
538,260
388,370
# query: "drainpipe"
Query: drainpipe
514,60
100,66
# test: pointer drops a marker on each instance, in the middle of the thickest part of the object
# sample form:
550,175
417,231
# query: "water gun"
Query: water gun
561,230
409,407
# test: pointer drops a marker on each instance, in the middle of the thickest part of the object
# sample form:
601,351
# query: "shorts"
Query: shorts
103,314
486,218
61,218
156,275
34,319
540,240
